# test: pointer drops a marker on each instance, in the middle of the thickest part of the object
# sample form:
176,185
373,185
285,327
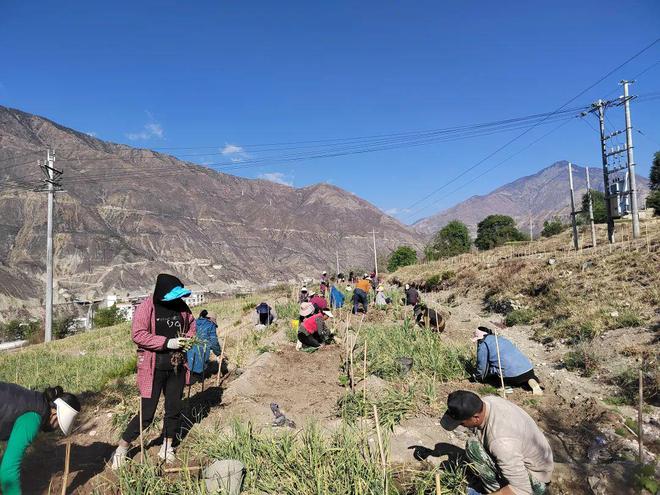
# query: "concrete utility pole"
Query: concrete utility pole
531,228
632,183
573,220
591,210
337,253
51,177
373,232
600,107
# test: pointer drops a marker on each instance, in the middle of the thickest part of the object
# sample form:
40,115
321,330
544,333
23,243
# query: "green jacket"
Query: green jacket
23,433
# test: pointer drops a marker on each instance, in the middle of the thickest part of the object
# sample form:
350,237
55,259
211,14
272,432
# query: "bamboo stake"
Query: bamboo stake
438,486
364,374
351,379
639,417
222,355
499,363
141,434
67,459
383,460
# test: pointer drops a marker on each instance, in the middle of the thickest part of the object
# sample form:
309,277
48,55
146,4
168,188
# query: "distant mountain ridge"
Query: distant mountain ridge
536,197
128,214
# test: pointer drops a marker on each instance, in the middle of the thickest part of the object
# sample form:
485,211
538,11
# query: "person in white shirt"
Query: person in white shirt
508,452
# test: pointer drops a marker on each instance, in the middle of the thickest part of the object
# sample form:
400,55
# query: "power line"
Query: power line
511,141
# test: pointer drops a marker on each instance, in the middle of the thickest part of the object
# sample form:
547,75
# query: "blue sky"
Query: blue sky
228,75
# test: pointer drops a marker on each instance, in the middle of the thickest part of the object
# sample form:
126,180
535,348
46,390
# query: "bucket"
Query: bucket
295,324
226,475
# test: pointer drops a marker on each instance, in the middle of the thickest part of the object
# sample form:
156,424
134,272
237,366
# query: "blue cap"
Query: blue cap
176,293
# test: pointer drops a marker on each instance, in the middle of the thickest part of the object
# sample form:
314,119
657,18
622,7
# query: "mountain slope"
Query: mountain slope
128,214
537,197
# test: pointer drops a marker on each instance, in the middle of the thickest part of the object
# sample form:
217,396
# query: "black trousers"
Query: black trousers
309,340
171,385
514,381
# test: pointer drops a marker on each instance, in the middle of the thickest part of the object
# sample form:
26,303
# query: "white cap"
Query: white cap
66,415
304,289
328,313
407,286
325,273
349,288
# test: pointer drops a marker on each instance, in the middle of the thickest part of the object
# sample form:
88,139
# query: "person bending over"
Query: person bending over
313,332
506,451
23,414
517,369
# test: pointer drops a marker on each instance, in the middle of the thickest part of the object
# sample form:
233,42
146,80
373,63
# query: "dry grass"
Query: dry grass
578,296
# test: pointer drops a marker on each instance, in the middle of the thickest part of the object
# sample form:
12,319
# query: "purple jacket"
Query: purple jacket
143,333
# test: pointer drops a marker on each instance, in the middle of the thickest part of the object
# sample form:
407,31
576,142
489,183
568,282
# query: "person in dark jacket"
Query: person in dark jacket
264,315
303,296
429,318
517,369
199,356
412,296
162,328
23,414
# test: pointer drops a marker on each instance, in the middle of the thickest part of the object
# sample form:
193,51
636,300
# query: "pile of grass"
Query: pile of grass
393,406
85,362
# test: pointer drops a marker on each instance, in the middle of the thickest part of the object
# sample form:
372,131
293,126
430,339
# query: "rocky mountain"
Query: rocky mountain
538,197
127,214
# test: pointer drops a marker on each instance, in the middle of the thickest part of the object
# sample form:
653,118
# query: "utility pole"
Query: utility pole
599,106
337,253
591,210
373,232
51,179
573,220
531,228
632,183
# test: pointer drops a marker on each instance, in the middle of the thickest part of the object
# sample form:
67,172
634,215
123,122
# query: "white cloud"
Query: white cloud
396,211
277,178
151,129
232,149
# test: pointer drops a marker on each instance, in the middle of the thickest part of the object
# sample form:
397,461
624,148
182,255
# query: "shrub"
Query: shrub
63,326
453,239
19,330
496,230
653,201
402,256
599,207
552,227
521,316
581,359
107,317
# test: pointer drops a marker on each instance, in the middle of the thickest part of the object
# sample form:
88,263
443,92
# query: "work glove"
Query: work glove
178,344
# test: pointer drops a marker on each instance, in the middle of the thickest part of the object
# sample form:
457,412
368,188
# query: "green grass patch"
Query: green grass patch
581,359
431,355
312,461
393,406
523,316
84,362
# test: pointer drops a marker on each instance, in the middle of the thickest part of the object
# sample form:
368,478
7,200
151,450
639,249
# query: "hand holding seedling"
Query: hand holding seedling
179,343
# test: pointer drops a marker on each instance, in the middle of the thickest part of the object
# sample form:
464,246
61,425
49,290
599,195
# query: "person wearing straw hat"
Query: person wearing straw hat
517,369
23,413
313,332
507,451
381,300
303,296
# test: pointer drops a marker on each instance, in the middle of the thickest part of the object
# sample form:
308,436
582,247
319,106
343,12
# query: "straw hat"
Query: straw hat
306,309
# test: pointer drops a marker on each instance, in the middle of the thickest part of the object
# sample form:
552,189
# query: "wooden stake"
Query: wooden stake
438,486
351,379
364,376
141,434
499,364
639,418
67,458
381,449
222,355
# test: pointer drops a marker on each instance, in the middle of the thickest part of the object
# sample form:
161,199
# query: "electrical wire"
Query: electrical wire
511,141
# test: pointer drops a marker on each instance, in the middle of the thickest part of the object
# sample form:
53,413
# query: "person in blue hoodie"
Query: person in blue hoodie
517,369
199,356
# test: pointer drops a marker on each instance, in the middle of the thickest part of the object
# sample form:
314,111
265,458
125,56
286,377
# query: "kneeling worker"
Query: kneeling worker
313,331
517,369
508,452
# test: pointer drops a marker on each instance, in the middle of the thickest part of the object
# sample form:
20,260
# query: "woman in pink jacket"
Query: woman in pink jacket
162,327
